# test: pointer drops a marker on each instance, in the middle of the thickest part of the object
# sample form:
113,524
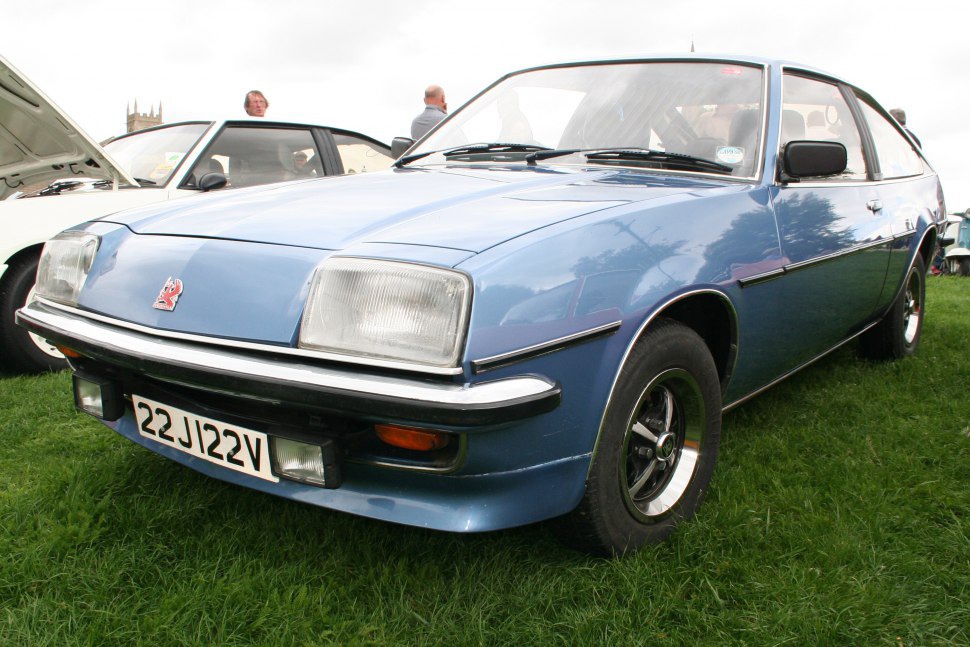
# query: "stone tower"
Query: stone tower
137,120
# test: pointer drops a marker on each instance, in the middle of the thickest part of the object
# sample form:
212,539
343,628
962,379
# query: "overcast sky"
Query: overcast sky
363,65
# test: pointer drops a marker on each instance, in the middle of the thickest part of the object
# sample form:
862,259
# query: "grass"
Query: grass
839,514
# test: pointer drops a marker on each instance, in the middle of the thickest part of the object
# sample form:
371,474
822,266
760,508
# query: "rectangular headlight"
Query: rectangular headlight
387,310
64,266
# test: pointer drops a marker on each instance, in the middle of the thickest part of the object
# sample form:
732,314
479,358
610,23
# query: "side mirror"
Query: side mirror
813,159
400,145
212,181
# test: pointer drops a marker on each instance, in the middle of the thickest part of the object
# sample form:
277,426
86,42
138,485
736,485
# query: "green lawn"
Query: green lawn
839,514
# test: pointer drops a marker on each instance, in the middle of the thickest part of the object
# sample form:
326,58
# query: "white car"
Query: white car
53,175
956,243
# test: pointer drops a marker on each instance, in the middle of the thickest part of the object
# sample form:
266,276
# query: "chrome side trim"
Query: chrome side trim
209,367
761,278
251,346
522,354
801,265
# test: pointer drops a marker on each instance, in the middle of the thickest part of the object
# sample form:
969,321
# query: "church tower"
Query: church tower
137,121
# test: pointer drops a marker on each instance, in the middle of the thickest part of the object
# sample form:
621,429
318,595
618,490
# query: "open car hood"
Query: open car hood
40,144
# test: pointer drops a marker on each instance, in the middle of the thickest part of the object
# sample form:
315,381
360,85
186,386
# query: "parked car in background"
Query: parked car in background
540,312
54,175
955,243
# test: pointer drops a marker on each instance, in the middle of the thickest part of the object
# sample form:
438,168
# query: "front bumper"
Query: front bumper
283,378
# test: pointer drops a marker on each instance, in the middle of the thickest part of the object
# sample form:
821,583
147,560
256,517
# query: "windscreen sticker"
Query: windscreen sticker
166,165
730,154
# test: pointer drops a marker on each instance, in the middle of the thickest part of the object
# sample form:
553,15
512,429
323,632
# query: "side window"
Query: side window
816,110
896,155
359,155
251,156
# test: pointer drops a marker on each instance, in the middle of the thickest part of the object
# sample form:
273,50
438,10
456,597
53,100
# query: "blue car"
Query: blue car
540,312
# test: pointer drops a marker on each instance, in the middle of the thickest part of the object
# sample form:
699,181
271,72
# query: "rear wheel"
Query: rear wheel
22,351
964,267
657,448
898,334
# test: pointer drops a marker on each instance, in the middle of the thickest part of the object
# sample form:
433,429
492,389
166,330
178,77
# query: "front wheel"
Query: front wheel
656,452
22,351
898,334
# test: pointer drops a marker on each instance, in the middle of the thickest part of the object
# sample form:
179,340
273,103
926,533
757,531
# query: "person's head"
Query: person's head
434,95
255,104
899,115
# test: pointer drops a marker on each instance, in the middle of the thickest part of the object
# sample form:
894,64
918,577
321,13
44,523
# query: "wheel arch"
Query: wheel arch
26,252
927,245
709,313
712,316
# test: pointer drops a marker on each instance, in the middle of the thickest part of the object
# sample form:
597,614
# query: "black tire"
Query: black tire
21,352
656,452
898,334
964,267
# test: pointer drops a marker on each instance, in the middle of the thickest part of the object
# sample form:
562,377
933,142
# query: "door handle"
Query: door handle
874,205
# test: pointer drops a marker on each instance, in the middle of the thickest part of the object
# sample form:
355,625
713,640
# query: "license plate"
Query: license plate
231,446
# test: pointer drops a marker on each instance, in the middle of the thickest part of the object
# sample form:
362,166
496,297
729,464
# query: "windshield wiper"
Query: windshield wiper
407,159
532,158
472,149
140,180
495,147
669,160
62,185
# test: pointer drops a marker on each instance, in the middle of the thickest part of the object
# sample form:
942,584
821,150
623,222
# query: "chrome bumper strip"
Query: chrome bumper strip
281,378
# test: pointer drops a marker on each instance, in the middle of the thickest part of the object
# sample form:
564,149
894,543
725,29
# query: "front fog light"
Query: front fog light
313,463
99,397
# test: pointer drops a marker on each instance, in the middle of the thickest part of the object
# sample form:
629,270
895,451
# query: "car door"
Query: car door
359,154
834,234
250,155
903,187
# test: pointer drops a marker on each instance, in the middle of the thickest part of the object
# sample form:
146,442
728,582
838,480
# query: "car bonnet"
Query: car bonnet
463,208
40,144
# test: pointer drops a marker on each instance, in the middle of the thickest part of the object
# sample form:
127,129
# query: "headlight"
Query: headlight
387,310
64,265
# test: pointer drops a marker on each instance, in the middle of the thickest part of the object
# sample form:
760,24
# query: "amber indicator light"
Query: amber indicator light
68,352
408,438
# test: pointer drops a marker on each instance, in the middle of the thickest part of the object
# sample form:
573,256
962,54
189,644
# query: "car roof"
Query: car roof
260,122
689,57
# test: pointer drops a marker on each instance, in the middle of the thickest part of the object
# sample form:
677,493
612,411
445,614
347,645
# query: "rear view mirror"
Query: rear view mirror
813,159
212,181
400,145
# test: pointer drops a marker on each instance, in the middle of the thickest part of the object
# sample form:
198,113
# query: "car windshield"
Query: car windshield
155,154
705,110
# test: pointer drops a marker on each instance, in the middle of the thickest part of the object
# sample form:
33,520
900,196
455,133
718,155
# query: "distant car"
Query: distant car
54,176
540,312
956,240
